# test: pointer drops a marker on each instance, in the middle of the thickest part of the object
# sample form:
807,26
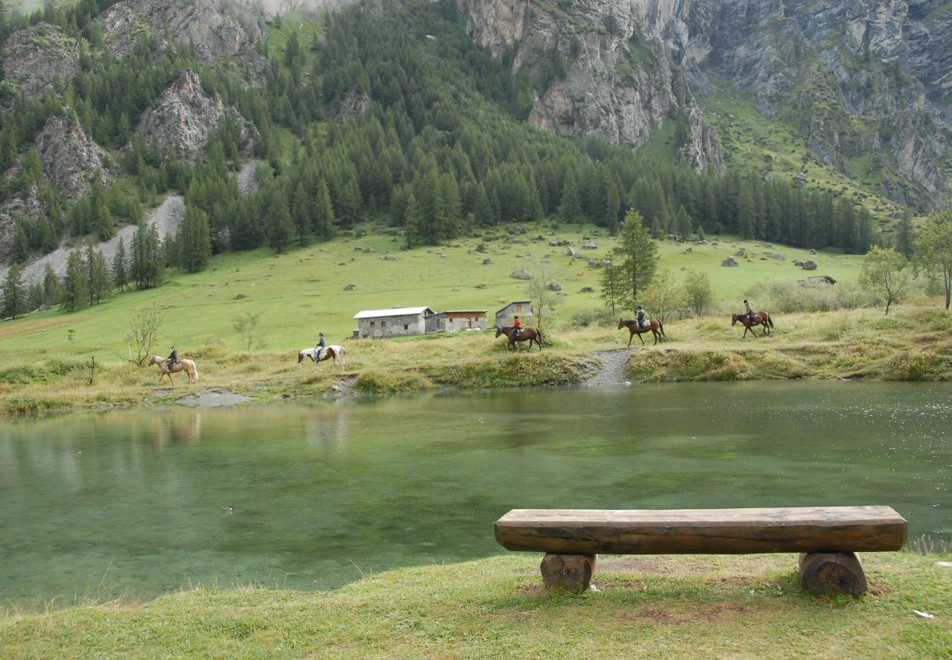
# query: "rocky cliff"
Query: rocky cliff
860,82
40,60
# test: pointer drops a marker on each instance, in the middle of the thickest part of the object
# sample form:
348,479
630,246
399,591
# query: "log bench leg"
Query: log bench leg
567,572
832,573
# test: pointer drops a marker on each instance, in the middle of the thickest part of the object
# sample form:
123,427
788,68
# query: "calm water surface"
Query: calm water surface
313,495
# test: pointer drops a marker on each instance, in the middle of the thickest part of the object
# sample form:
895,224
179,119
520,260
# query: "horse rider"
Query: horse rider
641,316
173,358
319,348
517,326
750,310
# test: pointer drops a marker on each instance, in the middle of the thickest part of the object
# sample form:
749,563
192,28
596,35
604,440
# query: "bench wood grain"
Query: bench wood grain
826,537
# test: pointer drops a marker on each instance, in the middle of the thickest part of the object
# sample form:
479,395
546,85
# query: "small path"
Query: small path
615,364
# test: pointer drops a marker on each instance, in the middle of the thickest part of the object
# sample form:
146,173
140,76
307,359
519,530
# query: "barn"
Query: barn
518,308
394,322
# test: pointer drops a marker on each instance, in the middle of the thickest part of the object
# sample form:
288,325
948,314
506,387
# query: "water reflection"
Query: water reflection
316,494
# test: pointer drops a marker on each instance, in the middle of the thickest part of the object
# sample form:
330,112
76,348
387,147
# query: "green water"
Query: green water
313,495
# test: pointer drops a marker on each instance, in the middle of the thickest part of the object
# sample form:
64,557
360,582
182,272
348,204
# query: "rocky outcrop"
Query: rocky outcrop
862,82
39,60
185,117
70,158
603,68
214,28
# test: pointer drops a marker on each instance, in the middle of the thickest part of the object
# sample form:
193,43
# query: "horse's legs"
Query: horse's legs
641,338
630,337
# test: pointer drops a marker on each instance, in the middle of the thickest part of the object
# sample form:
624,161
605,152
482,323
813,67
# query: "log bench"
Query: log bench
827,538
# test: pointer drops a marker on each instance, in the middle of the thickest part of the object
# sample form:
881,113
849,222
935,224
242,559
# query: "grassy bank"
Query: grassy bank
911,344
648,607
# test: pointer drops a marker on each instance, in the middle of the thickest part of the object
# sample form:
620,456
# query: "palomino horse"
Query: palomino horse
528,334
182,365
760,318
330,352
634,328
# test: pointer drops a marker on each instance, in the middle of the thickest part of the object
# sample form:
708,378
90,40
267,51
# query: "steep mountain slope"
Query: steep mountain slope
864,86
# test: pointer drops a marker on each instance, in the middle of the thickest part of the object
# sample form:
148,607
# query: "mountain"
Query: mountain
865,86
819,124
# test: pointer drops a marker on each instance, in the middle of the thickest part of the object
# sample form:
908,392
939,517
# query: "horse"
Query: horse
760,318
528,334
635,328
188,366
330,352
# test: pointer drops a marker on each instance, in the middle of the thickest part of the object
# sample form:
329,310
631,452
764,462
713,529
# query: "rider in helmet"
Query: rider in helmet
319,348
641,316
517,326
173,358
750,310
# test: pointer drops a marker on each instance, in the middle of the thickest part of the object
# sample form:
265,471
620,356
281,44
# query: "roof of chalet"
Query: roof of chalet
393,311
516,302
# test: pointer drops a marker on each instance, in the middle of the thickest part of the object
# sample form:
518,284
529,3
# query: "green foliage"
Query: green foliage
884,271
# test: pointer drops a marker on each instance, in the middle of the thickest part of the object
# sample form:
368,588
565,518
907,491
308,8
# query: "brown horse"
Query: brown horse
760,318
634,328
332,352
182,365
528,334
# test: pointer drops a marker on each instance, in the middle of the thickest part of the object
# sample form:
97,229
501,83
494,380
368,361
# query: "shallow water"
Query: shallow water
313,495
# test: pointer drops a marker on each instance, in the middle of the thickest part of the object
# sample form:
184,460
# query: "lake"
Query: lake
314,494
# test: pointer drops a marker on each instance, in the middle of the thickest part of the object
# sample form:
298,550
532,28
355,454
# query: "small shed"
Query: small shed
463,319
517,308
394,322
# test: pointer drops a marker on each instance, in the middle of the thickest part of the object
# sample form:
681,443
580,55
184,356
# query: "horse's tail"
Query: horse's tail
769,320
661,328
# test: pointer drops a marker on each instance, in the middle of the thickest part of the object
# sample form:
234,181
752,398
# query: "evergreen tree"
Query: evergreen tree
636,258
51,286
120,270
75,294
148,260
14,293
280,227
194,243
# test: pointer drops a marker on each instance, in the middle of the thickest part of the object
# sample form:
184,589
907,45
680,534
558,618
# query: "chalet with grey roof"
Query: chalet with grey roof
393,322
517,308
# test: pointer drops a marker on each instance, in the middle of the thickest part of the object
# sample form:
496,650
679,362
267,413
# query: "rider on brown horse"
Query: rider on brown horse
641,316
750,310
517,326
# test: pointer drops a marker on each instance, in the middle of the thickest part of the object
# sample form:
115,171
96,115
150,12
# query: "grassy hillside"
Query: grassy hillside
304,291
51,361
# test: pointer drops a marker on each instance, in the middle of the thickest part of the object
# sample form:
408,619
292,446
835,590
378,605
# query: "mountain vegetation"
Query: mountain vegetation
386,113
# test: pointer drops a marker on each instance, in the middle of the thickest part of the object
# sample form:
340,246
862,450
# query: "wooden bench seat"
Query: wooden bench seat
826,537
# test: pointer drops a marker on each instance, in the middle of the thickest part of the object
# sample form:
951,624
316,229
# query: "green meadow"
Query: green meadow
53,362
303,291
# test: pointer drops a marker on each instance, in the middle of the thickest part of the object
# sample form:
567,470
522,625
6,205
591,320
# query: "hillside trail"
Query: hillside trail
167,217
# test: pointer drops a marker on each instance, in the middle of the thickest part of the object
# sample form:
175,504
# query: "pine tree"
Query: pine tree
75,289
120,270
14,293
194,243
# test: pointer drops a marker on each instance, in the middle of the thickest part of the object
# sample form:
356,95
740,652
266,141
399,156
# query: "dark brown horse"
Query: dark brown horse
760,318
528,334
634,328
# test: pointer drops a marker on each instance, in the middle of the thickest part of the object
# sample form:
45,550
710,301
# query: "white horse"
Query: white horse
188,366
333,351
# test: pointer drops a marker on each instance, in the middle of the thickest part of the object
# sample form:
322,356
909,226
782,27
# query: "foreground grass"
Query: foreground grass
648,607
911,344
